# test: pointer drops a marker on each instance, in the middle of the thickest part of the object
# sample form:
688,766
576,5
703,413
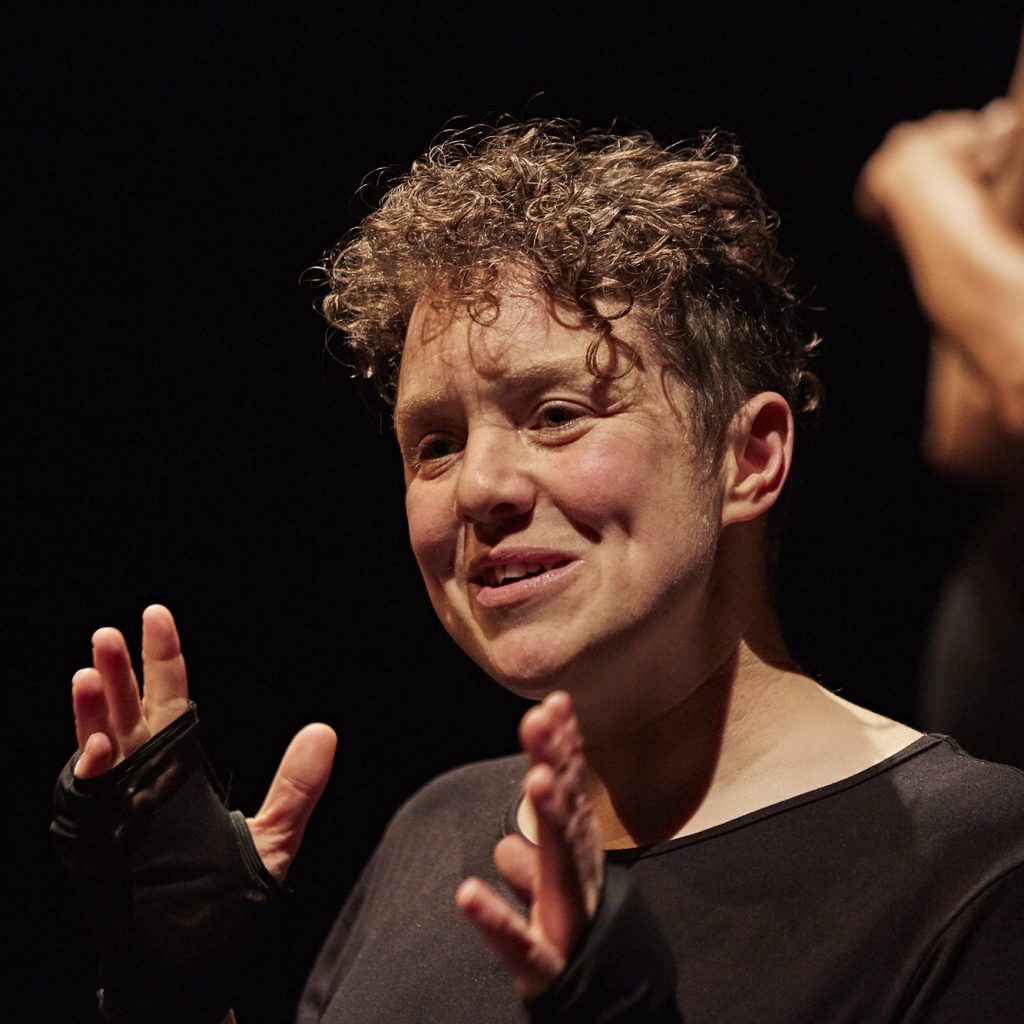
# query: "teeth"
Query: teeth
495,575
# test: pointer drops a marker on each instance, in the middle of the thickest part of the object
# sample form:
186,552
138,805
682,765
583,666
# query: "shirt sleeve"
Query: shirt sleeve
974,972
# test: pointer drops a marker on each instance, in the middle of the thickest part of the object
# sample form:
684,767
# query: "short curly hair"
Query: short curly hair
679,237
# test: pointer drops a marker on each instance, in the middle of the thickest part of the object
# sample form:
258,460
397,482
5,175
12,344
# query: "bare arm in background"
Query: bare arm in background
950,188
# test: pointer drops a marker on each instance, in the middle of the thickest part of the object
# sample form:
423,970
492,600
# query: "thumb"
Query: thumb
301,777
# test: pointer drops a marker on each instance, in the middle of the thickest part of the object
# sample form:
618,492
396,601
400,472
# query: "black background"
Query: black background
175,430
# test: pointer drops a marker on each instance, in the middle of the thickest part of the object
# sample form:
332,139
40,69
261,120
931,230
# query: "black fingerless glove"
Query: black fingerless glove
621,972
172,885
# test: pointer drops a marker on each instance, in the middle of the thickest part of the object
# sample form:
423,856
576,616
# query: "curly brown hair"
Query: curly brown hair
678,237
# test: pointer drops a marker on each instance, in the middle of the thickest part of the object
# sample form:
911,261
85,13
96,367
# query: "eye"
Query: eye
557,415
433,448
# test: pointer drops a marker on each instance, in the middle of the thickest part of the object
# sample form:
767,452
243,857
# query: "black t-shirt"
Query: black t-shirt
894,895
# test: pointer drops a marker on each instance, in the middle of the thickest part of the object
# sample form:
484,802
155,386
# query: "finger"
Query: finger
570,857
97,757
534,962
110,658
548,733
165,692
279,824
92,726
588,853
561,903
516,860
551,737
89,705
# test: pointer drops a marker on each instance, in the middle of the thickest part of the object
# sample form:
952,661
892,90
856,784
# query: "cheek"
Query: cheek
604,481
432,530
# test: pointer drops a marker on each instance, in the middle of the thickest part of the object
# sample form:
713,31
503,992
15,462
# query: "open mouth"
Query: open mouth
513,572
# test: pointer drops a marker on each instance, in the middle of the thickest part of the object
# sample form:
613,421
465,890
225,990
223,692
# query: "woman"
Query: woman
595,363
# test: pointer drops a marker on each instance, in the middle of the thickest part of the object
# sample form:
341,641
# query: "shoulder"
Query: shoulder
962,802
457,818
940,769
483,789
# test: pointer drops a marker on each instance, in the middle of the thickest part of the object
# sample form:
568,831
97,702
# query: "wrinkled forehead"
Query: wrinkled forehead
525,332
492,343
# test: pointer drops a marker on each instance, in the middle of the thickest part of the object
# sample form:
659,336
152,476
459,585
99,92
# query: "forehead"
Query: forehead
531,337
525,327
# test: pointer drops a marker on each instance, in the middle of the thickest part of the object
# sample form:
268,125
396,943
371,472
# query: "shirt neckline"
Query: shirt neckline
635,853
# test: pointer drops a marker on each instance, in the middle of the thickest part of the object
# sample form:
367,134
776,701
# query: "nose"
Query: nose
495,482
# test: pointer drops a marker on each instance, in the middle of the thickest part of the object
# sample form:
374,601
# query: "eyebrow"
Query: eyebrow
418,408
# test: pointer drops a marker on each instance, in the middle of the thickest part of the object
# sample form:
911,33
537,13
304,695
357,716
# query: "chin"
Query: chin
529,687
530,672
535,677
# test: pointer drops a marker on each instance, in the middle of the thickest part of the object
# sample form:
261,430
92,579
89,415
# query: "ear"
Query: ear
758,453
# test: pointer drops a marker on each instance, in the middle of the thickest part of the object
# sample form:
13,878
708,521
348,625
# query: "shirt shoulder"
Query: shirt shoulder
957,796
461,799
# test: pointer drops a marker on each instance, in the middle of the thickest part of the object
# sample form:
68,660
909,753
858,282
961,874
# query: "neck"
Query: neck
723,724
647,782
664,748
755,732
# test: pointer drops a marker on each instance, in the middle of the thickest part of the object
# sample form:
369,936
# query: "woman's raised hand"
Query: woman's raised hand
558,880
113,719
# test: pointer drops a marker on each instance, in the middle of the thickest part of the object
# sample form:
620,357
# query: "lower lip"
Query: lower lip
545,584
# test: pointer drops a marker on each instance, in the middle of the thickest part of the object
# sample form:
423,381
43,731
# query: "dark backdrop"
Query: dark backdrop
175,430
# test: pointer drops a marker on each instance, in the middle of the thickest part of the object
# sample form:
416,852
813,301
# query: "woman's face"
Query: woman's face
565,525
